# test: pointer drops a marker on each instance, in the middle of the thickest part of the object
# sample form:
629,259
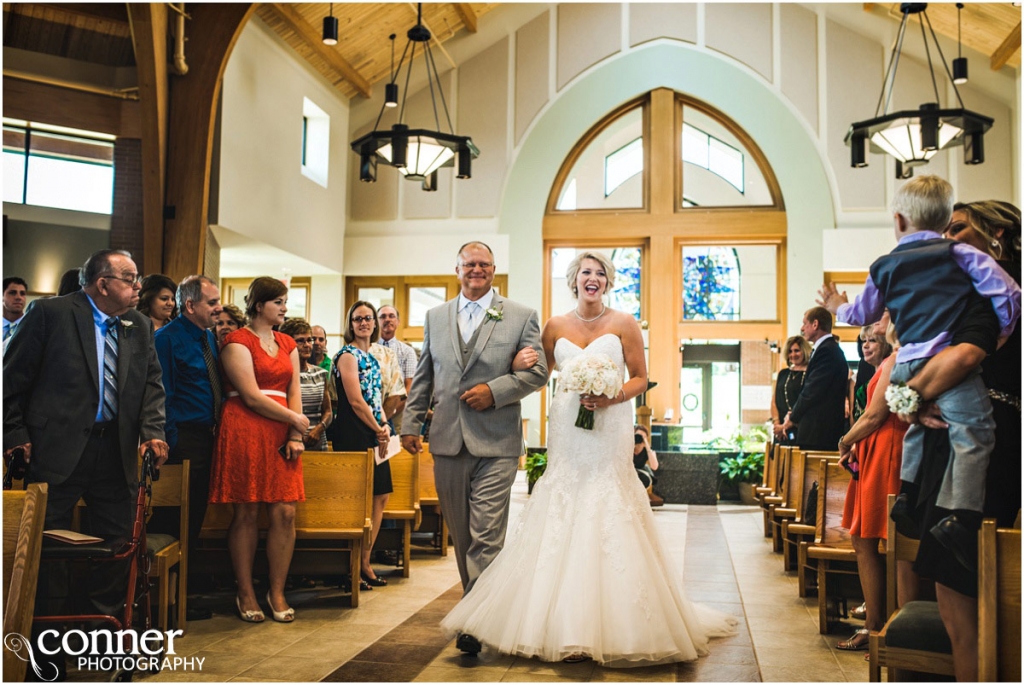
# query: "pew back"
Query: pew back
999,604
24,513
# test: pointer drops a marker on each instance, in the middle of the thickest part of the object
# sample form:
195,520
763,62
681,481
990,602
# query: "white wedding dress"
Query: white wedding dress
583,569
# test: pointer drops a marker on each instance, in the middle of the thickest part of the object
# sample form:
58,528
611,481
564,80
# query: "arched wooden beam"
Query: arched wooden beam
212,32
149,34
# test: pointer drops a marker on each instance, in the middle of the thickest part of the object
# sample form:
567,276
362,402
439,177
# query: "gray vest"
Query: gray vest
466,348
924,288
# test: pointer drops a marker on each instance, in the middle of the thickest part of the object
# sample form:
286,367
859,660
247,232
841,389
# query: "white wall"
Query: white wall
263,194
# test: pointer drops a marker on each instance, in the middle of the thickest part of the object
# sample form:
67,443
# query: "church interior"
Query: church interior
728,158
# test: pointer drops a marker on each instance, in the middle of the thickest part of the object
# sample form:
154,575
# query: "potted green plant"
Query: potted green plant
745,471
536,462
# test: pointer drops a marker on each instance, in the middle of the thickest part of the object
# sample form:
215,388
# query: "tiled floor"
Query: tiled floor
393,635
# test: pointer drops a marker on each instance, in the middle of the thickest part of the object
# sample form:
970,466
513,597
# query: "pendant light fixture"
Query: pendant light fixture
914,136
331,28
960,63
416,153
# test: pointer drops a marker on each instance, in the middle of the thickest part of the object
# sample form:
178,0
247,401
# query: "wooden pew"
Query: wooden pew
24,513
776,480
795,528
831,554
168,551
337,510
998,603
767,486
430,505
404,503
898,644
792,479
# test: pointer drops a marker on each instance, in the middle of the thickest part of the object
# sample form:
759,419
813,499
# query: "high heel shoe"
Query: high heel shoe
374,582
286,616
249,616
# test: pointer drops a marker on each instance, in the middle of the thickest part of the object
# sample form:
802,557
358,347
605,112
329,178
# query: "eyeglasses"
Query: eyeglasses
474,265
362,319
132,279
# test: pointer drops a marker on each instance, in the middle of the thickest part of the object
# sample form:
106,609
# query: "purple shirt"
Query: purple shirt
988,278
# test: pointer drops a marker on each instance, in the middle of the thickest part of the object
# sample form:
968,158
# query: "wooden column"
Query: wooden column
212,32
663,315
149,34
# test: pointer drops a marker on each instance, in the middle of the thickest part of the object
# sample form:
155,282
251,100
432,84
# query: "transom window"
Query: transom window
53,166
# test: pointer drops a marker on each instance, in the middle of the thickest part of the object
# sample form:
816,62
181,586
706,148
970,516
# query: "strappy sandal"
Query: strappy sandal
860,613
853,644
375,582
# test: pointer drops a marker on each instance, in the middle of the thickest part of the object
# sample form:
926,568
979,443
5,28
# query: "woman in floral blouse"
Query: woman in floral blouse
360,423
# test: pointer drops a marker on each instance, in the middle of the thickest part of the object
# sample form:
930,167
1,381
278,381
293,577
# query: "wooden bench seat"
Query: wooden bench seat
403,504
334,518
794,526
430,504
24,513
831,554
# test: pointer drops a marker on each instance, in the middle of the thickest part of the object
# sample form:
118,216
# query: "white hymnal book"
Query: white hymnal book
71,537
394,447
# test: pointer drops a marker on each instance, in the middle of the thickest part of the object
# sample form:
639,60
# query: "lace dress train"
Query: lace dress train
583,569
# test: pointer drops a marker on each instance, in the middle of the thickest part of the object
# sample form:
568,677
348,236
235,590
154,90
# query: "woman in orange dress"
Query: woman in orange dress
259,443
873,449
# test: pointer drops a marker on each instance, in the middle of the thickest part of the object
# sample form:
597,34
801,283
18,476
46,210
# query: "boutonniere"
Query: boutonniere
494,314
126,327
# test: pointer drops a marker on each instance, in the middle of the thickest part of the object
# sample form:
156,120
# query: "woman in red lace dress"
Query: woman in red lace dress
259,443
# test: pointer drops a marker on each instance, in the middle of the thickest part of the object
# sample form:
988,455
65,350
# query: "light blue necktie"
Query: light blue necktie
110,371
469,323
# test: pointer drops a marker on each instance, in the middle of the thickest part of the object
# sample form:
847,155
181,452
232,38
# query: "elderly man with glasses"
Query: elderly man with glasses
83,398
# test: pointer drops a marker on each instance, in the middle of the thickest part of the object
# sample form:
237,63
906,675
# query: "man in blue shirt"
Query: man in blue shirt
187,351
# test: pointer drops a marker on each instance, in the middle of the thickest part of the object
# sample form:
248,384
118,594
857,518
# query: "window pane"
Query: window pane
377,296
625,296
622,165
14,176
729,283
587,179
718,170
70,185
421,300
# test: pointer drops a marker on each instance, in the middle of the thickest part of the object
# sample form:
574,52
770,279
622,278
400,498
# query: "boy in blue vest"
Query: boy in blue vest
926,283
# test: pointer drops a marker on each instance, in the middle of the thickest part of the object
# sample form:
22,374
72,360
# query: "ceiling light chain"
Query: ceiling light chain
960,63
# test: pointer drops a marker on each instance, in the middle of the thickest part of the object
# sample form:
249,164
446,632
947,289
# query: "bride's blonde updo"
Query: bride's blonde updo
574,270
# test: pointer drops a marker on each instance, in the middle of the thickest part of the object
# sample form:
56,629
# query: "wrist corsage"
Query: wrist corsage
494,314
902,400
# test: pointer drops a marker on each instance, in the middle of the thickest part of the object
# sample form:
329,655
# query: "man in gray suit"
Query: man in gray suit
469,344
82,389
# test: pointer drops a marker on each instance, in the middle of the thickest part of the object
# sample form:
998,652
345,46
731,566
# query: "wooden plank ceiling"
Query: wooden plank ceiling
362,56
96,32
992,29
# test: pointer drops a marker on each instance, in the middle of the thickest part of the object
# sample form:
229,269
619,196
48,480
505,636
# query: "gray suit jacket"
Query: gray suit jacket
495,432
51,385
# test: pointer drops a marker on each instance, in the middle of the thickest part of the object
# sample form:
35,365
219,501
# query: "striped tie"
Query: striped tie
214,375
110,371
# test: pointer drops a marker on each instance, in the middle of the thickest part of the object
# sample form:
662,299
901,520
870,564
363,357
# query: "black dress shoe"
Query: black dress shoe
957,539
902,515
468,644
197,614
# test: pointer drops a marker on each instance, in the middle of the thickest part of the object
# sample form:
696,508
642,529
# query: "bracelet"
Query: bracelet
842,444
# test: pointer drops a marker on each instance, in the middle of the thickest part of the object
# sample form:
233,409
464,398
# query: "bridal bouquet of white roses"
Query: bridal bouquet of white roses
590,374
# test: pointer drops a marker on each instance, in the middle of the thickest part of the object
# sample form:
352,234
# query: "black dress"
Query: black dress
1001,372
348,432
787,389
643,469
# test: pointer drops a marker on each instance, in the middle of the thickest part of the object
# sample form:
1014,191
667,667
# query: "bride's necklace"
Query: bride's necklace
577,313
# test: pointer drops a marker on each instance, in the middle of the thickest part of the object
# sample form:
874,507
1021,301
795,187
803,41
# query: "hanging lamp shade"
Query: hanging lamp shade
913,137
416,153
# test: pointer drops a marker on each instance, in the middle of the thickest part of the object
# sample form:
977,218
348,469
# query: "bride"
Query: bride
583,572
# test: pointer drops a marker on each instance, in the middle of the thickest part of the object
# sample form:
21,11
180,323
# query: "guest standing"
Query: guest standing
15,297
192,383
788,385
229,320
360,423
995,228
70,282
873,448
316,402
259,445
819,412
156,299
